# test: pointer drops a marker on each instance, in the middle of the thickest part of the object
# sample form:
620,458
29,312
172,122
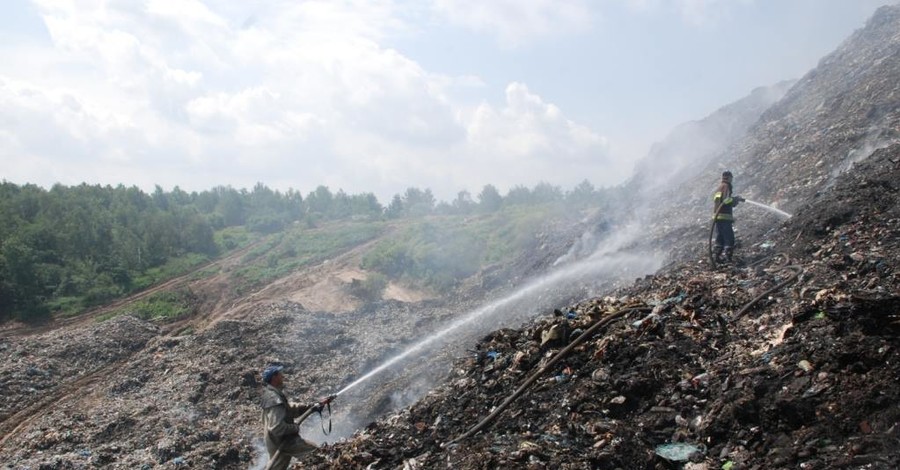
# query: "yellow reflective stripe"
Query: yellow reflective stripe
728,201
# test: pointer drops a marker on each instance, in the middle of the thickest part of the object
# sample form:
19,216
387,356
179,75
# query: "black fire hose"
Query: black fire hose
324,404
797,271
530,380
322,418
712,229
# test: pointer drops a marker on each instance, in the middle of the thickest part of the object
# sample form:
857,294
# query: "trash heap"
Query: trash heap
788,359
31,369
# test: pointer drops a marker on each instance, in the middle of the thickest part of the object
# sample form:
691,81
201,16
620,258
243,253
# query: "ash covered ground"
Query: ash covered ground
788,359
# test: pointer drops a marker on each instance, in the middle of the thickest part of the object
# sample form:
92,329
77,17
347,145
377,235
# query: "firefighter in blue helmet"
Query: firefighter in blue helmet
723,205
282,435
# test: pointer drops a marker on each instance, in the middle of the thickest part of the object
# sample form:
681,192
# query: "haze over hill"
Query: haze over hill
747,366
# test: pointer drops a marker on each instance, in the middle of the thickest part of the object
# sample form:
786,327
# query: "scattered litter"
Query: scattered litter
679,451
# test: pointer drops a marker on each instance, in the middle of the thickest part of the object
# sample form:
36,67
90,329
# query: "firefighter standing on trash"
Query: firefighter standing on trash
723,203
282,435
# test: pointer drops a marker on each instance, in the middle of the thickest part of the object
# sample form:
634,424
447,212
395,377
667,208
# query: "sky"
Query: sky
381,95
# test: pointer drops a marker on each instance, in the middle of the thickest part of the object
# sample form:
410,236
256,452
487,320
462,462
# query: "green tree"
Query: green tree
582,195
365,204
319,201
546,192
418,202
341,207
395,209
463,203
231,206
489,199
160,198
518,195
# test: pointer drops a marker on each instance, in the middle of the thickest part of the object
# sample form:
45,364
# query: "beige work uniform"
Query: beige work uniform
280,431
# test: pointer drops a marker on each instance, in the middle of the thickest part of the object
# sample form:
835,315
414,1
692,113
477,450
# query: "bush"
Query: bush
162,306
101,293
266,224
371,288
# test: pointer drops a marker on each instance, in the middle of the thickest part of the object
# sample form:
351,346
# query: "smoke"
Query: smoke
583,246
262,455
407,376
597,260
871,143
411,394
692,146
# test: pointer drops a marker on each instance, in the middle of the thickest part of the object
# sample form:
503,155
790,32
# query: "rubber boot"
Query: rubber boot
717,253
728,253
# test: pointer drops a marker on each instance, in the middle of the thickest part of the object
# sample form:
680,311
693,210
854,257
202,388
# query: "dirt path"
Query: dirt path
20,330
11,426
74,389
321,287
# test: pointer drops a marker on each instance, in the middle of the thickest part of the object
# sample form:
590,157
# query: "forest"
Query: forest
69,248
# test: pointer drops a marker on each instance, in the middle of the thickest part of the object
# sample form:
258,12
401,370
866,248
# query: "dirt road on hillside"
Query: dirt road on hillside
17,329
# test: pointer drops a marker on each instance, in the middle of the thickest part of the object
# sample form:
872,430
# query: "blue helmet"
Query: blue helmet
270,372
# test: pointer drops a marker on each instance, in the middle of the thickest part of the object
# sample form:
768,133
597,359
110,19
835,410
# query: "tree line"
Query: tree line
71,247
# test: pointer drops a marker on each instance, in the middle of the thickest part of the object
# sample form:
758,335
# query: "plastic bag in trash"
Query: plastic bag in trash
679,451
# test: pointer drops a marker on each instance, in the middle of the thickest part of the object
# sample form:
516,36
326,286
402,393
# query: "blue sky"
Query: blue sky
380,95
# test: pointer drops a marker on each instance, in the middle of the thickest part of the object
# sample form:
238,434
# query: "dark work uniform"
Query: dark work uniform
723,204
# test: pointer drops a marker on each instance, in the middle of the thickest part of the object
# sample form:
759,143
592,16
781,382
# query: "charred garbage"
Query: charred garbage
701,372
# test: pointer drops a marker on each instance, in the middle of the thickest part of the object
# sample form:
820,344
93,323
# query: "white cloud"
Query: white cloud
699,13
706,12
530,128
643,5
187,13
529,140
293,94
516,22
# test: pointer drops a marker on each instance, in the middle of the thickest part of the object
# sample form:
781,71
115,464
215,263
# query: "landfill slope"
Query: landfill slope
785,359
790,360
836,115
129,393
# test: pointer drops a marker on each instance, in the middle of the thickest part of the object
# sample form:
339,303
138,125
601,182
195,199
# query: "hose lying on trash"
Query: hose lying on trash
530,380
798,270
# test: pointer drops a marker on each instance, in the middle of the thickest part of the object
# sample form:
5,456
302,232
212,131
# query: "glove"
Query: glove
321,405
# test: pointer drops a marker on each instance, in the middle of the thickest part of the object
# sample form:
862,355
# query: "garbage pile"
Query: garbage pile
32,369
831,119
122,394
788,359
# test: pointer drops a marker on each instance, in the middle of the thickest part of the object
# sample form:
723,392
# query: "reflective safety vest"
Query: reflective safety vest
723,203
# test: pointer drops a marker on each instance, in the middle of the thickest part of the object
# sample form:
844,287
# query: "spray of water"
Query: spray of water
608,259
770,209
262,455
